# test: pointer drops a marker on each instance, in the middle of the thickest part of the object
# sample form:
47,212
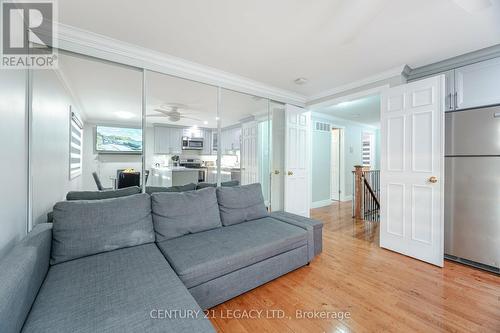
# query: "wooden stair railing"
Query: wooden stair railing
366,204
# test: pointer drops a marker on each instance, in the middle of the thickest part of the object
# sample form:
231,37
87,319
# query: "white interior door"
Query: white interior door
412,169
297,160
335,170
249,153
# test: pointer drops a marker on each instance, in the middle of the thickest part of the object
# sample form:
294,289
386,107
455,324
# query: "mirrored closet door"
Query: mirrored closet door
181,130
86,130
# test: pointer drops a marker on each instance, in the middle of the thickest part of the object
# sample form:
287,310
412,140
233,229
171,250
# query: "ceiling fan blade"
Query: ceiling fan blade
157,115
192,118
163,111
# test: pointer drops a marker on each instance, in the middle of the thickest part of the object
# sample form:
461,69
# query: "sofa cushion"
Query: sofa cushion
180,188
199,186
22,272
241,203
204,256
86,227
106,194
228,184
177,214
117,291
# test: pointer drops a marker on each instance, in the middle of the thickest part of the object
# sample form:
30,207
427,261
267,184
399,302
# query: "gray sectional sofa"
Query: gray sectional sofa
148,263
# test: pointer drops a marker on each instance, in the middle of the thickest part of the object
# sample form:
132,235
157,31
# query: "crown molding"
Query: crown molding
454,62
396,71
88,43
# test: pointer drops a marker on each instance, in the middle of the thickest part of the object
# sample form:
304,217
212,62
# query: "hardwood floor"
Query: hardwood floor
381,290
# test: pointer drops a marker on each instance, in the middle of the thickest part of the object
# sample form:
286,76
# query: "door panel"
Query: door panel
412,121
297,159
396,209
421,159
249,153
396,143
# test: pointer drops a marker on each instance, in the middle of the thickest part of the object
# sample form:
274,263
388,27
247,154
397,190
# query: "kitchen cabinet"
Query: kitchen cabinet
478,84
207,141
167,140
473,86
230,139
215,142
450,90
175,140
161,140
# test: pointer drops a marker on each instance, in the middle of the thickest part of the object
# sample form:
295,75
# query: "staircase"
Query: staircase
366,190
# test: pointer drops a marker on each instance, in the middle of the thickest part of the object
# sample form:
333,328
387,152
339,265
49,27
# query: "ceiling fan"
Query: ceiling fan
172,111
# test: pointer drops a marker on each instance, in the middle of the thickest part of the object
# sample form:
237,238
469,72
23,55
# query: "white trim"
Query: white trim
321,203
341,161
357,84
88,43
330,118
348,97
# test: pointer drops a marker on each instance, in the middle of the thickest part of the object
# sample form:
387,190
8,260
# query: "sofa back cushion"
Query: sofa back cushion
241,203
199,186
179,188
86,227
228,183
23,271
177,214
106,194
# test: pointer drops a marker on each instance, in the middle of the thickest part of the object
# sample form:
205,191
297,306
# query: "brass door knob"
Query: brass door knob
290,173
276,172
433,179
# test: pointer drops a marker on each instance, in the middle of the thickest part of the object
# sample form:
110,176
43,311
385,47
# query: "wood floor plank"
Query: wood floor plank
383,291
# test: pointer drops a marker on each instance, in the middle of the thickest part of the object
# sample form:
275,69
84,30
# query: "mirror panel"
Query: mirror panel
86,129
244,140
181,131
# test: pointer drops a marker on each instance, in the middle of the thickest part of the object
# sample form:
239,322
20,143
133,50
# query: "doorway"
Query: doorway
337,164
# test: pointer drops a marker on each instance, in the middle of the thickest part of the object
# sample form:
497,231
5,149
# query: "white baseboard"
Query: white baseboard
346,198
321,203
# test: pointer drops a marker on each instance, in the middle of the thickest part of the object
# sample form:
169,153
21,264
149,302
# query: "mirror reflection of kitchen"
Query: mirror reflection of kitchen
181,132
185,133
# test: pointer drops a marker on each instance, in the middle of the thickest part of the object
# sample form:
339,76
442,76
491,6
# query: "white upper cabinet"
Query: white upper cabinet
176,140
168,140
450,90
162,140
207,142
478,84
230,139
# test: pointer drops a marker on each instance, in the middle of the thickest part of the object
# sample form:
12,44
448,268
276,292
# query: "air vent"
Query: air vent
320,126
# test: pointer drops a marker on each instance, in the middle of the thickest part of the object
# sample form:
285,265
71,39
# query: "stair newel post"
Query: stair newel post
358,189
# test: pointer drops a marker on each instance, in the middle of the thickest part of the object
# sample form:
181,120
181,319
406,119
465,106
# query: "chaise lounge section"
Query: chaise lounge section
148,263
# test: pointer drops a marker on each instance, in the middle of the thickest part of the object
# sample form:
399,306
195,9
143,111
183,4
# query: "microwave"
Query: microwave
192,143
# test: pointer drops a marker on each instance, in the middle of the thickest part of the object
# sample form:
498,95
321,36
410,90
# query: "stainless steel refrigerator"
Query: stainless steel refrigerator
472,187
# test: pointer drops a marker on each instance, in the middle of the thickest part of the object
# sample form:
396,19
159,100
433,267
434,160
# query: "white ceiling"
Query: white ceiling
330,42
105,90
365,110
